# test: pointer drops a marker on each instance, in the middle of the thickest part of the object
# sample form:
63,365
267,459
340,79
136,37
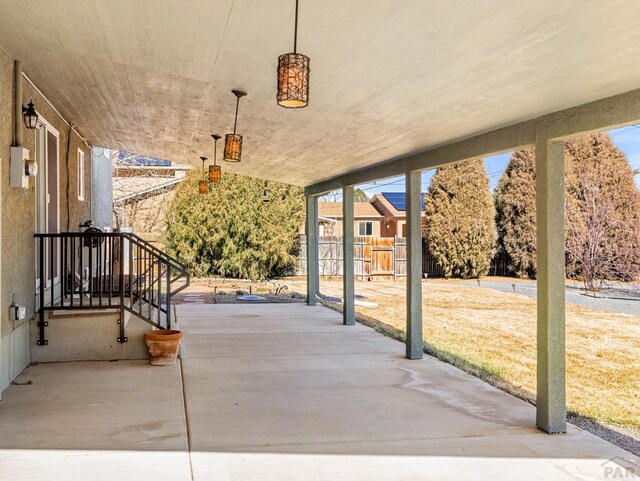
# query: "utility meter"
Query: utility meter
30,168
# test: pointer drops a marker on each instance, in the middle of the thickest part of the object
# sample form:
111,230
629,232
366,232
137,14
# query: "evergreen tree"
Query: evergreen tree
602,212
231,231
360,196
460,219
516,212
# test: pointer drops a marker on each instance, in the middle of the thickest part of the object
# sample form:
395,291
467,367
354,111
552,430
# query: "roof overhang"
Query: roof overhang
395,86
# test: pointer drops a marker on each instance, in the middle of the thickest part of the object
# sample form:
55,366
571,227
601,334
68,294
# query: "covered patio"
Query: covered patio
283,391
280,392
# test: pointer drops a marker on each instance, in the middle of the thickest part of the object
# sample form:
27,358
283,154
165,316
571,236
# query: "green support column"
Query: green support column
313,281
414,265
348,273
551,397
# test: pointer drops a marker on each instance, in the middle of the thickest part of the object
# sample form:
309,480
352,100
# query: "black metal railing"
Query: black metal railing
105,270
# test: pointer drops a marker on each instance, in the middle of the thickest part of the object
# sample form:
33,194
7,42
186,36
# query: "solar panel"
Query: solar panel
398,200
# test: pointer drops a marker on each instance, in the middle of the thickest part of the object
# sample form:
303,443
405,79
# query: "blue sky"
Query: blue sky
627,139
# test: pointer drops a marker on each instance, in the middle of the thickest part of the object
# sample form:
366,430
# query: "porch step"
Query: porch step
117,274
89,336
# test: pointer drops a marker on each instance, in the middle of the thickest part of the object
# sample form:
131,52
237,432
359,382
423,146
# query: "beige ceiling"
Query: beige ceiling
389,77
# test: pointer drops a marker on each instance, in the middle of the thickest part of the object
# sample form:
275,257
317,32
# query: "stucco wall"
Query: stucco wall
388,228
18,217
6,117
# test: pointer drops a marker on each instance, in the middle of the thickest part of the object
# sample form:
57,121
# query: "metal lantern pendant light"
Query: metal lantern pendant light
293,75
215,172
265,194
203,187
233,142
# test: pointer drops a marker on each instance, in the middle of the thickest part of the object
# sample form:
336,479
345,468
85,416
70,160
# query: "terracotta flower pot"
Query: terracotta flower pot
163,346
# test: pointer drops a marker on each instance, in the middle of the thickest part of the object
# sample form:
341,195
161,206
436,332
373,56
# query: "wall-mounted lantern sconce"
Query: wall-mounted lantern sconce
30,116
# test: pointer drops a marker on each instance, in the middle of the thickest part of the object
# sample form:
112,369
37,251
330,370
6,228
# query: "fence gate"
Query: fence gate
383,257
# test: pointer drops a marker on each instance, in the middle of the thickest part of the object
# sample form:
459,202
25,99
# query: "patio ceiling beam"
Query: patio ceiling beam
611,112
501,140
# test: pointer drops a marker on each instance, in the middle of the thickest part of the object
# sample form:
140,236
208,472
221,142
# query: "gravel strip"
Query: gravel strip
626,438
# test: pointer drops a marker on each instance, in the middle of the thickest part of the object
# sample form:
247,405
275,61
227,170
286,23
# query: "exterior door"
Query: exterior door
48,196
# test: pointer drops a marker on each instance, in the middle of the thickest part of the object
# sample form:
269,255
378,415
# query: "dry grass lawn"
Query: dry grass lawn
493,334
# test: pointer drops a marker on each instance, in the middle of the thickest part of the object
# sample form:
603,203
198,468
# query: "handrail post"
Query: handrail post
90,266
63,269
168,296
73,270
121,284
159,302
41,322
51,270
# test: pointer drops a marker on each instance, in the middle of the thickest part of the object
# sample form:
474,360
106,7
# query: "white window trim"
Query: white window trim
80,171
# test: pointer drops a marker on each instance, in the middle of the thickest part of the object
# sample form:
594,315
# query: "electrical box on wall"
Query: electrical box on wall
17,313
19,161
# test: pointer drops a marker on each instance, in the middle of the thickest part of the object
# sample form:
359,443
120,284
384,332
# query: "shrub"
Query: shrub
230,231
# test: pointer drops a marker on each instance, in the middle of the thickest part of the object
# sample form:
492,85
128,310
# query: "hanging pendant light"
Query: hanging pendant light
215,172
203,187
293,75
233,142
265,194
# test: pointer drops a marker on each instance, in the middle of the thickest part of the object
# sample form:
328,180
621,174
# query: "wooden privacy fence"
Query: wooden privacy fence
374,257
378,258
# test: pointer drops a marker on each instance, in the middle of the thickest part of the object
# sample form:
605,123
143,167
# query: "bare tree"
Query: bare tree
602,212
600,245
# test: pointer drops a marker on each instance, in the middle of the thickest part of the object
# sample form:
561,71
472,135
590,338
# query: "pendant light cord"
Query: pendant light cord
295,32
215,151
235,123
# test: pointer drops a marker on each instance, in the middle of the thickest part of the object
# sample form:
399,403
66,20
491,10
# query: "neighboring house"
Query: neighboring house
366,219
392,209
383,216
142,188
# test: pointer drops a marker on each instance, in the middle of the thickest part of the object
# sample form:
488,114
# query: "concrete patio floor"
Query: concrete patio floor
281,392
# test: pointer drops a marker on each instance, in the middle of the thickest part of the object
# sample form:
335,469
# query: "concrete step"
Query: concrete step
89,335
